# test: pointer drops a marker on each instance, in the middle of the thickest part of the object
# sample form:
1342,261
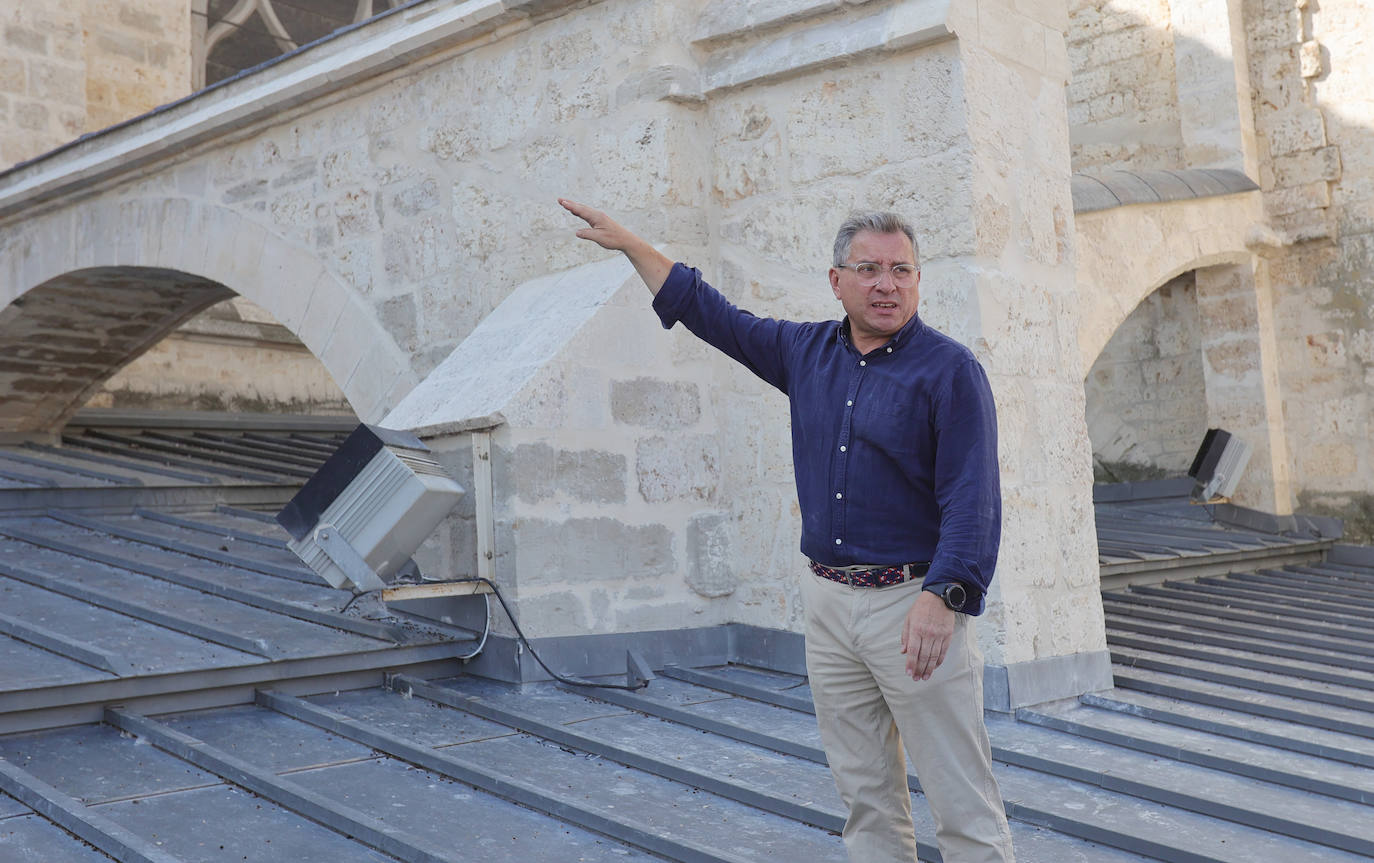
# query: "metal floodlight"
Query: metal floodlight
1218,465
367,509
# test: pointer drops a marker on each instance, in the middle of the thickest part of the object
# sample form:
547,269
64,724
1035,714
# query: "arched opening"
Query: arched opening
1196,353
232,357
141,337
1146,393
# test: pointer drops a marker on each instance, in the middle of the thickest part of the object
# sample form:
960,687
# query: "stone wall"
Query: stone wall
1147,394
1123,97
389,194
1313,66
67,68
231,357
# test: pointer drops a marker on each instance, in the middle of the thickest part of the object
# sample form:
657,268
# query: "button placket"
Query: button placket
841,462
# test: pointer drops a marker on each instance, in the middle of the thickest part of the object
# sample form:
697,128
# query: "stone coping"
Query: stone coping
319,69
789,37
475,386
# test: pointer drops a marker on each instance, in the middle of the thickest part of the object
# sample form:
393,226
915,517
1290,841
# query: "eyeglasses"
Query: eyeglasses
870,274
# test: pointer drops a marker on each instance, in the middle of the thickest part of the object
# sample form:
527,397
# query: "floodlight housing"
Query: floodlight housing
1218,465
368,508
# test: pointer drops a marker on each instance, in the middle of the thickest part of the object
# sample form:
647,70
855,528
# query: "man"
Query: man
894,444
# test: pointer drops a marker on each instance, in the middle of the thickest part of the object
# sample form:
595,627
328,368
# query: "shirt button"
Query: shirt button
843,449
838,541
863,362
889,350
849,403
839,496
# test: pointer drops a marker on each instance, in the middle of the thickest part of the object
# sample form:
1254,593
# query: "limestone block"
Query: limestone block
557,612
354,332
664,614
245,254
355,263
368,387
1310,59
580,551
933,120
905,26
355,212
710,570
1295,130
640,161
797,236
1024,555
419,249
1326,349
1319,461
760,451
929,192
656,404
538,472
683,467
725,19
1014,36
1362,346
1308,196
749,166
398,317
1307,166
626,336
670,83
843,120
52,82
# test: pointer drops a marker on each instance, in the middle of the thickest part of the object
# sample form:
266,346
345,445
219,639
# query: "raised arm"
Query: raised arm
601,229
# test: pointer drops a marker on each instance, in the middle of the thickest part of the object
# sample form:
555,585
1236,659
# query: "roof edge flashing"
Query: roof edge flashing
1106,190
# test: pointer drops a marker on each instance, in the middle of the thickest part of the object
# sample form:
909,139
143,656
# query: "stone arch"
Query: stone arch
1127,253
194,254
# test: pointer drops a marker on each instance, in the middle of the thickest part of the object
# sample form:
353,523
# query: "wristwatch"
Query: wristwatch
952,592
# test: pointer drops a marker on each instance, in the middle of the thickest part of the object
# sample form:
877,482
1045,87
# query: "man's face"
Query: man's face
876,312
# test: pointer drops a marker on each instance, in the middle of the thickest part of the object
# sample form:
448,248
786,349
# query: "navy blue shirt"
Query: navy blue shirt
895,451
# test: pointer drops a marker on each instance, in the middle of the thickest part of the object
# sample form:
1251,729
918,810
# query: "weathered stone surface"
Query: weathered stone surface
685,467
539,472
656,404
579,551
710,569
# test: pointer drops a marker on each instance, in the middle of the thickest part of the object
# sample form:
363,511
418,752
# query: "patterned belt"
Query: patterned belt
881,576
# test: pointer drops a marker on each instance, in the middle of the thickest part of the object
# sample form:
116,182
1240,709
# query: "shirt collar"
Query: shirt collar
909,331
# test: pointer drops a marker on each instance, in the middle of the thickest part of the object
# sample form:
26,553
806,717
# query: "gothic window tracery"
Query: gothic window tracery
234,35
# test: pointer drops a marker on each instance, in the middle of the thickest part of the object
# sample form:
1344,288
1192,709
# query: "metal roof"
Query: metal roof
174,685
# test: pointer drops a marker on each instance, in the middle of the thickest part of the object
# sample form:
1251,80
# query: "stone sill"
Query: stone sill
823,42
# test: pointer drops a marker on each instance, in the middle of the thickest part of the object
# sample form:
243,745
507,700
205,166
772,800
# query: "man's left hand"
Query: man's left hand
926,635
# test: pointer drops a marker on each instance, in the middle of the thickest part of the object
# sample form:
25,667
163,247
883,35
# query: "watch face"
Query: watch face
955,596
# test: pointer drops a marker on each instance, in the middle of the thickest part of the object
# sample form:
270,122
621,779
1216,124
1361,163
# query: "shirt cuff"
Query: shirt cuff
671,299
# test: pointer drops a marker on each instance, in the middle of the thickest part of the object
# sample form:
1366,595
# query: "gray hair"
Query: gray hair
878,222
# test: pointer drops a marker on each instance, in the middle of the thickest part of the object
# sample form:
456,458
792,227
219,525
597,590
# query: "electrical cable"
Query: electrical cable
486,630
525,642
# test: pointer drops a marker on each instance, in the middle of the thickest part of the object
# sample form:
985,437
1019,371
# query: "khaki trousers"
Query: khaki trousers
867,707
